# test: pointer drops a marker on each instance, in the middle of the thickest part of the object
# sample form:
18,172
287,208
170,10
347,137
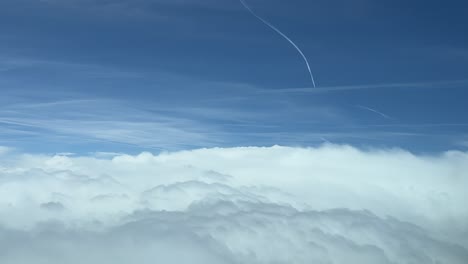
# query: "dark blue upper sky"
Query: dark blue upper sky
119,75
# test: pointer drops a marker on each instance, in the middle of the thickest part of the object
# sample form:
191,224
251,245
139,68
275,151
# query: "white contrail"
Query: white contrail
284,36
374,111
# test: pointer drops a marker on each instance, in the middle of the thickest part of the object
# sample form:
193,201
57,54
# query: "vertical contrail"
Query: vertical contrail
284,36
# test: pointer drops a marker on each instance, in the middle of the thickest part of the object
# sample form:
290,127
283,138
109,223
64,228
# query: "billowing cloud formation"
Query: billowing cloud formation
333,204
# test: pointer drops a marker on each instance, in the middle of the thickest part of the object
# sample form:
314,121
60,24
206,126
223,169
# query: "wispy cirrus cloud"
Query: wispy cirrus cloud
200,122
135,10
96,71
412,85
162,125
180,111
106,120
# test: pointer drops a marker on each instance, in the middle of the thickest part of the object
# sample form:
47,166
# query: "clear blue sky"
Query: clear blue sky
91,75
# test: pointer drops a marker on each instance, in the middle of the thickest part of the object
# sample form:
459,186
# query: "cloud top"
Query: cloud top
332,204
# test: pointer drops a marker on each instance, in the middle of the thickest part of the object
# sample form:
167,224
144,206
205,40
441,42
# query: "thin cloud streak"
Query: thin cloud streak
414,85
113,122
160,124
374,111
106,120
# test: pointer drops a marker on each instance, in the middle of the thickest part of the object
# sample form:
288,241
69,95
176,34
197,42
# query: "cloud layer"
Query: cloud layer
332,204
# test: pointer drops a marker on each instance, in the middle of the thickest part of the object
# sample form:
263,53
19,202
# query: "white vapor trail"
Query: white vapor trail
284,36
374,111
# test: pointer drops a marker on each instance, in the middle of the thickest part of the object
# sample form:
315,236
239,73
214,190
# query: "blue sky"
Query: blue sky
135,130
121,76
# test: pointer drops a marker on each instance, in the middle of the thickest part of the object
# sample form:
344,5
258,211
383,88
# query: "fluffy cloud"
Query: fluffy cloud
333,204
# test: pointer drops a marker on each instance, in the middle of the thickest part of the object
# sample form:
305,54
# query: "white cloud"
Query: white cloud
4,150
334,204
427,85
102,120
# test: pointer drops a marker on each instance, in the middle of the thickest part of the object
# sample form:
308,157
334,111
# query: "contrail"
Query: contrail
326,140
374,111
284,36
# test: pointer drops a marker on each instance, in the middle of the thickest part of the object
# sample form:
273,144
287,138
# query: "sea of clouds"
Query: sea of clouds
330,204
